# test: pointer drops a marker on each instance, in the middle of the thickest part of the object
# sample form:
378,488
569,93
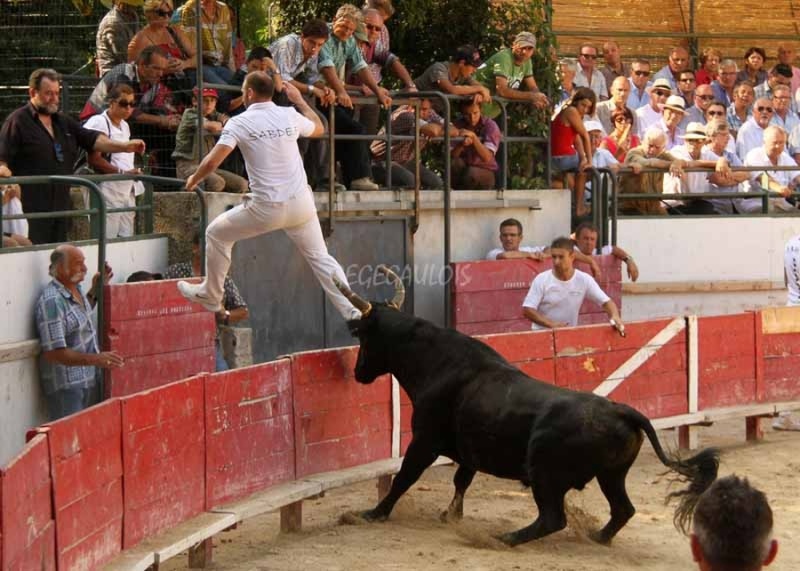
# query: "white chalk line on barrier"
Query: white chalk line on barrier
640,357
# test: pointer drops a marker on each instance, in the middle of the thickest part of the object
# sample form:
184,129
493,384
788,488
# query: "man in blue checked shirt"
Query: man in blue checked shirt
70,353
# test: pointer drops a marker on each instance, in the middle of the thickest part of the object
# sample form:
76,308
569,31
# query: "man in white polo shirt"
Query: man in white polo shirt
556,296
282,200
791,275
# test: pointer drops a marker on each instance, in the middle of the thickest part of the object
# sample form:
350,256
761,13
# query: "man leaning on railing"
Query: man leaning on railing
38,140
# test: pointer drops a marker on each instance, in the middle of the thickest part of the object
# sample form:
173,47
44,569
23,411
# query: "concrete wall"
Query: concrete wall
21,405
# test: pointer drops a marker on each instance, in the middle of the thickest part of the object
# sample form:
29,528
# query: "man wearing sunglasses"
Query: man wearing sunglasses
751,135
588,75
650,114
780,74
640,83
771,153
38,140
703,97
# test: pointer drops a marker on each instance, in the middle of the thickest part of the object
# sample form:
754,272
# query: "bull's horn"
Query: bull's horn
399,288
359,302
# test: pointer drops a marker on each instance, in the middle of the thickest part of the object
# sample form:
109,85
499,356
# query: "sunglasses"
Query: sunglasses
589,56
59,152
764,109
686,80
373,27
124,103
705,97
641,73
715,113
660,93
163,13
623,120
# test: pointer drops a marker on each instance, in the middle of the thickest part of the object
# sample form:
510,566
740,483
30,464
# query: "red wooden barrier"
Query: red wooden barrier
487,295
249,431
162,337
531,352
163,453
727,361
86,466
587,356
779,331
27,528
338,422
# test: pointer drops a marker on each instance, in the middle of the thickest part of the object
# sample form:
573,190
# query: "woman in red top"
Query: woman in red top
709,66
570,146
622,139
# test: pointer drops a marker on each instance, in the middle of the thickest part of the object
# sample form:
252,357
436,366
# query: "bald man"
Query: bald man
70,354
620,91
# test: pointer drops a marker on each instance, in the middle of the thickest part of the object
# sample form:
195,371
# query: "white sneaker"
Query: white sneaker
194,293
786,422
363,183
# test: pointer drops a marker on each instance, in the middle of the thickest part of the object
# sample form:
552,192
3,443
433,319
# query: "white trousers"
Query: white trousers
297,217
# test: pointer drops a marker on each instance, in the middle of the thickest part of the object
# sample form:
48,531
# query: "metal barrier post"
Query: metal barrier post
417,165
327,226
203,226
504,145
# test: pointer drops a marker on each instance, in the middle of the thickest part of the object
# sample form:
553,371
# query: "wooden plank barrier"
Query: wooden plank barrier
86,467
780,334
162,337
727,361
338,422
249,431
163,454
27,526
487,295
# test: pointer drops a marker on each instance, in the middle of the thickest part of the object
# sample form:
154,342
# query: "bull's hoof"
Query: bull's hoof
450,516
600,537
374,515
511,539
360,518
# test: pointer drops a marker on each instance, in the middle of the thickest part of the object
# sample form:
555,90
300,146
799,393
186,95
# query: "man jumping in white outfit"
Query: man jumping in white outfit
791,275
282,200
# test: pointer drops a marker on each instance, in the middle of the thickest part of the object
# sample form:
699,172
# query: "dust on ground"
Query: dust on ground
414,537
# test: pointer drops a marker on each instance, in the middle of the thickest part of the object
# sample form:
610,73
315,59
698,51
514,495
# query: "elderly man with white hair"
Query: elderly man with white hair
620,90
673,113
650,114
751,135
724,85
651,153
771,154
718,134
567,68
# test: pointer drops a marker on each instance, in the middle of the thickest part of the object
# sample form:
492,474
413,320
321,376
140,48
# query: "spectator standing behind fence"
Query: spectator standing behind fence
403,167
753,70
586,244
115,32
677,62
732,528
570,147
651,153
724,85
191,146
719,135
38,140
741,109
473,165
455,77
15,232
555,296
234,308
640,83
70,357
509,74
588,75
122,193
378,58
709,66
567,68
217,37
258,59
614,66
339,51
771,153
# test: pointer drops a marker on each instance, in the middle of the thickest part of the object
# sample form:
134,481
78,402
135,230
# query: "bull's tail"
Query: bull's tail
699,471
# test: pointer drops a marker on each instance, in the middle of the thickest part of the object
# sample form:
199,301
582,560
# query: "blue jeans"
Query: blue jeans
221,363
69,401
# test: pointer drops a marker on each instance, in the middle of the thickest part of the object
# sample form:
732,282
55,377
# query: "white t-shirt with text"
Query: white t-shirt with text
561,300
267,137
791,263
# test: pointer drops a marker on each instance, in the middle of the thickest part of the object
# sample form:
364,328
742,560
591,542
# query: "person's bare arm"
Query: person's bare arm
595,268
401,72
448,86
633,269
518,255
72,358
613,314
105,145
329,74
382,94
540,319
233,316
210,163
300,104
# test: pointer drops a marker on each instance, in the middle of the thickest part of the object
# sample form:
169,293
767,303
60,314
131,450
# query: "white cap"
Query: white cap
594,125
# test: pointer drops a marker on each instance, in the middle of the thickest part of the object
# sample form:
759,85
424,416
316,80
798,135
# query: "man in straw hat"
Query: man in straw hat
509,74
115,32
650,114
672,113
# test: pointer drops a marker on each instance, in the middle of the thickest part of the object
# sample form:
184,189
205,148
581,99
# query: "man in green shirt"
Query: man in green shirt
509,74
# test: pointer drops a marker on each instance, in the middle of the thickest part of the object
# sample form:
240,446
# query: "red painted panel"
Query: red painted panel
338,423
522,347
86,463
781,366
152,371
492,305
727,369
249,431
163,453
27,527
491,327
489,275
144,300
161,334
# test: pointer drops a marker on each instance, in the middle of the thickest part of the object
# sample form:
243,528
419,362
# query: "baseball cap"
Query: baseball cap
469,54
207,92
594,125
361,33
525,39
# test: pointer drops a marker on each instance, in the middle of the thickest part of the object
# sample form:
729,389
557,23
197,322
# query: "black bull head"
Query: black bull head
474,407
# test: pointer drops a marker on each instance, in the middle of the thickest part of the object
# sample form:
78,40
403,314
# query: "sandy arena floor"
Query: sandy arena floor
413,538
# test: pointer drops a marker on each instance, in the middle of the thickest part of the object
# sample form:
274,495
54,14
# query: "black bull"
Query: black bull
474,407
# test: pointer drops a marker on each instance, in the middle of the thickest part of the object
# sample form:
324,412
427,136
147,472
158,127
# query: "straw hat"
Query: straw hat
695,132
675,103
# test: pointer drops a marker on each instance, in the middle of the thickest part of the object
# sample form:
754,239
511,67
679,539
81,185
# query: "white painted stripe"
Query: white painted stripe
640,357
395,418
693,357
